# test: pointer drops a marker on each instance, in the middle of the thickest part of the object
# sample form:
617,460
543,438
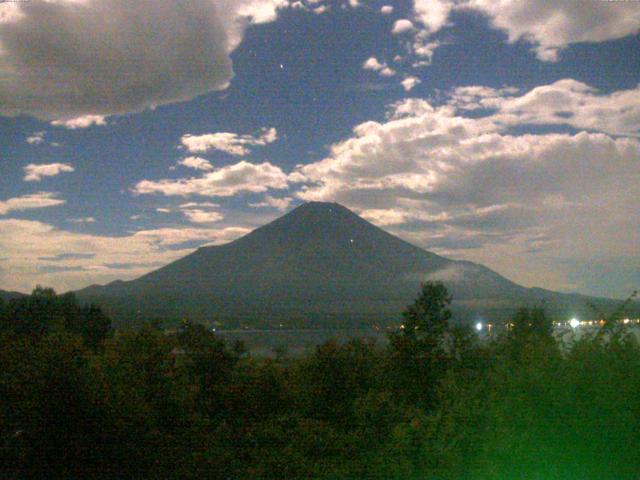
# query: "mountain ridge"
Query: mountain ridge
8,295
318,264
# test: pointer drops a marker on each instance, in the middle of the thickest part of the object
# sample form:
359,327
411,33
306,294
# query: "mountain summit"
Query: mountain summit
320,264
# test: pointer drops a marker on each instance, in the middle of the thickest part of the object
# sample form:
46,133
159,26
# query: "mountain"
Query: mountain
322,265
6,296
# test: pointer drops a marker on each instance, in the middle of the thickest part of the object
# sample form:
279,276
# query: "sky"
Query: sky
498,131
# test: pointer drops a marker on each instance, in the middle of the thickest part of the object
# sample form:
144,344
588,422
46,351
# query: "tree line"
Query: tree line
78,400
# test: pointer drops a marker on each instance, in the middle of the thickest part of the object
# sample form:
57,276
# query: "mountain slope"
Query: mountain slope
6,296
319,264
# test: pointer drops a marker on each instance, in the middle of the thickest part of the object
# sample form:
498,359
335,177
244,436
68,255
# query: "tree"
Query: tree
95,326
531,323
420,355
427,319
44,312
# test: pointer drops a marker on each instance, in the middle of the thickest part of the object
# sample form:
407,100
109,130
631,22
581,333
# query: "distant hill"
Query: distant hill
321,265
6,296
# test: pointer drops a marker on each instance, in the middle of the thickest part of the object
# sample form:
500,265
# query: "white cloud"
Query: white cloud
433,14
31,201
202,216
35,173
196,163
409,83
424,48
548,26
101,60
199,205
469,186
201,212
552,26
372,63
81,220
386,10
223,182
36,138
565,102
402,26
453,273
69,260
479,97
387,72
84,121
231,143
277,203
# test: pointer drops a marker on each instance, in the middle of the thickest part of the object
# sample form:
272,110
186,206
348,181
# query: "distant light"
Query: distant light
479,326
351,240
574,322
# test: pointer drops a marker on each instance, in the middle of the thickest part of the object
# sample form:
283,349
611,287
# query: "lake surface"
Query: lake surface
294,342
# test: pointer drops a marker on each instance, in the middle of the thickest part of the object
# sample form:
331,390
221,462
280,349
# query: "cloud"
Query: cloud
387,72
31,201
402,26
372,63
101,60
386,10
202,216
552,26
321,9
196,163
231,143
311,6
452,274
35,173
409,83
201,212
199,205
565,102
223,182
70,260
84,121
272,202
548,26
433,14
36,138
81,220
424,48
465,183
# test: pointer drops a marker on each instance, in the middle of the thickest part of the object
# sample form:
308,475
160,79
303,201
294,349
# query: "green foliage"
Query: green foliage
427,319
530,324
437,404
419,351
44,311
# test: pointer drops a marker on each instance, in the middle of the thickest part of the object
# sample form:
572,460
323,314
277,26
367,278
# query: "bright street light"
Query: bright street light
574,322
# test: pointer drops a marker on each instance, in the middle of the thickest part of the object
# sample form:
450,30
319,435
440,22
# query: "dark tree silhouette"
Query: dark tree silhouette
419,347
44,312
